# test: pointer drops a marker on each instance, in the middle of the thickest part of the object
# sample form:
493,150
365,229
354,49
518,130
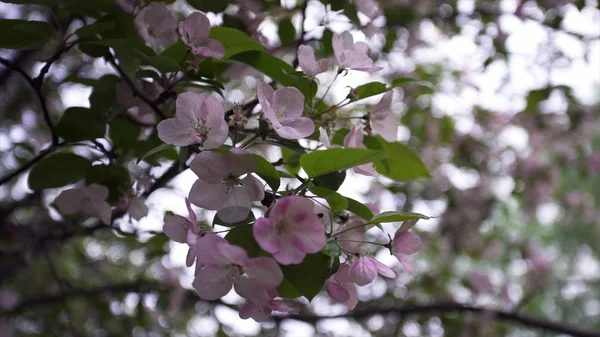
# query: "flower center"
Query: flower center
235,271
283,226
280,114
201,129
230,181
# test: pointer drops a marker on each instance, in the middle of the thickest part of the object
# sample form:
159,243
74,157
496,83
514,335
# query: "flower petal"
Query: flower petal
299,128
265,270
176,228
406,243
289,101
265,235
175,131
69,201
363,271
208,196
337,292
212,282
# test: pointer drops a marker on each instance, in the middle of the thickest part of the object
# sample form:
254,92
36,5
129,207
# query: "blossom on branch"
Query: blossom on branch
382,120
220,186
199,119
194,32
156,25
90,200
352,55
308,63
291,230
182,230
405,243
355,139
283,109
341,288
364,269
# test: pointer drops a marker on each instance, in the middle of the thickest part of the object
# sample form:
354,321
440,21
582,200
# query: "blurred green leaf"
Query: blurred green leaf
322,162
267,172
243,237
78,124
331,181
234,41
209,5
401,163
359,209
287,32
336,201
58,170
218,221
396,216
332,249
309,276
23,34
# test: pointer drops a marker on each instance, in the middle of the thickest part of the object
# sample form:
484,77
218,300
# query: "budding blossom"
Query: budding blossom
382,120
219,186
283,109
368,7
355,139
157,26
182,230
222,265
194,32
90,200
405,243
352,55
260,301
341,288
364,269
308,63
238,119
198,118
291,230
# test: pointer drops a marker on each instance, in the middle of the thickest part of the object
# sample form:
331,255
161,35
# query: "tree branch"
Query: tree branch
20,170
37,88
454,308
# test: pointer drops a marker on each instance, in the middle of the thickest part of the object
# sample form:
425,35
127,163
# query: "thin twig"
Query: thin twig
20,170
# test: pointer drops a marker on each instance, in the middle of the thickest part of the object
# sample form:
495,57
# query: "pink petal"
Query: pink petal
265,98
208,196
98,192
366,170
296,129
387,128
210,47
354,138
212,282
97,208
175,131
265,235
324,138
69,201
233,254
384,270
137,208
363,271
288,254
405,261
254,188
236,206
337,292
210,255
283,306
194,28
352,236
265,270
353,300
191,257
343,274
308,63
256,312
309,229
211,167
290,101
191,213
188,106
176,228
217,135
406,243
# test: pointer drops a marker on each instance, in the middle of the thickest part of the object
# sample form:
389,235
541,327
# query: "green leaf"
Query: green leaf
396,216
404,81
399,15
267,171
276,69
164,64
336,201
331,181
332,249
133,47
22,34
31,2
58,170
287,290
309,276
359,209
322,162
287,32
234,41
124,134
78,124
368,90
156,150
289,156
95,28
402,163
218,221
242,236
209,5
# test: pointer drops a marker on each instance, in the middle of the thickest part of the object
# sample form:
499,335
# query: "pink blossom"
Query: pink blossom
341,288
324,137
198,118
222,265
382,120
136,207
90,200
352,55
219,186
363,270
355,139
156,25
308,63
368,7
405,243
194,32
182,230
291,230
283,109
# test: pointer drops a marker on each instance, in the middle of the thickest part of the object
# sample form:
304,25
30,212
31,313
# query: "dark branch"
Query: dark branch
136,92
452,307
20,170
37,88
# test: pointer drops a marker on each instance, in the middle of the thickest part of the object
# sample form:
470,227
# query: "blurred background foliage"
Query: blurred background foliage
511,136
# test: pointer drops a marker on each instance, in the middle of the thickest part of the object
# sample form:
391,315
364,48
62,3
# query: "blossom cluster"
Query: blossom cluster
227,182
